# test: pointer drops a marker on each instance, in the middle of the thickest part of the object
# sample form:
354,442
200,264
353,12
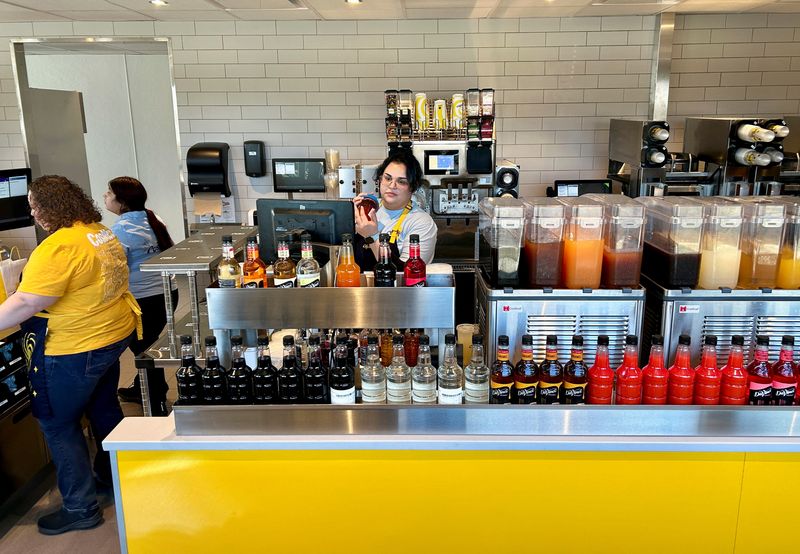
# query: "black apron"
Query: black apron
34,332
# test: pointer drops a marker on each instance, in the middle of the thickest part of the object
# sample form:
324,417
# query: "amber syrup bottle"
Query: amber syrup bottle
526,374
502,376
573,390
551,374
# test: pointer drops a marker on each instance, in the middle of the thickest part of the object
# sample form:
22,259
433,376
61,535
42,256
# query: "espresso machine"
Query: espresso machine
639,160
453,139
742,155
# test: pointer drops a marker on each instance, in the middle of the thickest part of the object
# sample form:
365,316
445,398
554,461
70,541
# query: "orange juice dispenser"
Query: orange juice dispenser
542,254
789,266
762,239
624,232
721,253
672,240
582,262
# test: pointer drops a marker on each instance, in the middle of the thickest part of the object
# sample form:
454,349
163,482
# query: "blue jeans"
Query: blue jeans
79,384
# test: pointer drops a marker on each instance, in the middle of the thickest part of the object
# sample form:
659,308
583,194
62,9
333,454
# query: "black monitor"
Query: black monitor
298,174
325,220
14,209
579,187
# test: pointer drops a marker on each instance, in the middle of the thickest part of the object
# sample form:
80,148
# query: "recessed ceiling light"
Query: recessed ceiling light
352,1
159,2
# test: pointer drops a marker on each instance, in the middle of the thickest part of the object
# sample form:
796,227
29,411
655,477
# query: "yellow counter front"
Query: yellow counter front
443,493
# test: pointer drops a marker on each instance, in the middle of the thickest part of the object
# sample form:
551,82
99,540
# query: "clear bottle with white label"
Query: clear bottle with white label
373,375
451,376
342,375
476,375
229,274
423,376
307,268
398,375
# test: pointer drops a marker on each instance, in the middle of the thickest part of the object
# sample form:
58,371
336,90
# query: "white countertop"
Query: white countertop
158,433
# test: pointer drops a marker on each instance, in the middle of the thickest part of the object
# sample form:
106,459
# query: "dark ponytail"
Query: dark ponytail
131,195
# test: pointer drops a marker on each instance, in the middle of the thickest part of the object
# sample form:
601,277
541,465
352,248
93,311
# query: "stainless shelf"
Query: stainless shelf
325,307
493,420
202,251
160,350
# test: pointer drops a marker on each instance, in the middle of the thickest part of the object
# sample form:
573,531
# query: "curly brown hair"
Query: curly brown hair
61,203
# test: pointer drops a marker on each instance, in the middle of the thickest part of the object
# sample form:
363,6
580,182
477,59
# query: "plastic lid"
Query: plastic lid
314,339
288,340
788,340
633,340
658,340
543,208
577,340
602,340
372,339
341,339
413,238
263,341
449,338
685,340
383,237
227,238
305,237
762,340
710,340
211,341
552,339
672,206
717,207
737,340
236,340
755,207
424,340
478,339
397,339
502,340
527,340
502,208
582,207
347,237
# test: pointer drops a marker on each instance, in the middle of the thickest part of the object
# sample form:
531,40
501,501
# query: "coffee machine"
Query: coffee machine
742,155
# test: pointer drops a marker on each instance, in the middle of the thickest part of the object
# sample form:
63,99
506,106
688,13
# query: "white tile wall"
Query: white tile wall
302,86
733,65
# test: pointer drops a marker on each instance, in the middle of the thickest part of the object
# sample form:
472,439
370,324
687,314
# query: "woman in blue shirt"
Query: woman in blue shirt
142,235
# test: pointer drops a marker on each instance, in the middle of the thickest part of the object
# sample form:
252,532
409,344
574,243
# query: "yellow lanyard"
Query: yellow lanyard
396,229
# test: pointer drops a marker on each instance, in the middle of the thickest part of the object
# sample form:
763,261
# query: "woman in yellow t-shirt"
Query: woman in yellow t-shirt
77,318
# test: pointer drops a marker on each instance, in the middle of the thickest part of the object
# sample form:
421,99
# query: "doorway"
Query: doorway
94,109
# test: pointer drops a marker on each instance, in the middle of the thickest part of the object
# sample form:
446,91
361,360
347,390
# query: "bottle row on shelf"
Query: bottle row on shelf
364,366
306,273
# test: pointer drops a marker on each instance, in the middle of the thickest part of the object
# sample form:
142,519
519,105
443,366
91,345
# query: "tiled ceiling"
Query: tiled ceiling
132,10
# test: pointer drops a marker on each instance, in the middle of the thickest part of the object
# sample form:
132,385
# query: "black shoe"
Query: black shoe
131,394
62,521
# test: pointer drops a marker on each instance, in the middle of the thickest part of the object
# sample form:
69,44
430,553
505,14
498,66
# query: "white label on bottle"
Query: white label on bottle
228,283
309,280
347,396
373,393
285,283
423,393
476,393
451,396
398,393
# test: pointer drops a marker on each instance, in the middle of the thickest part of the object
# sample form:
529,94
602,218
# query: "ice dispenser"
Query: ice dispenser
544,231
623,235
207,168
583,243
721,252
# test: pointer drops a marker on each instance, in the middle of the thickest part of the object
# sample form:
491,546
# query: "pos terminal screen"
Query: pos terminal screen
441,162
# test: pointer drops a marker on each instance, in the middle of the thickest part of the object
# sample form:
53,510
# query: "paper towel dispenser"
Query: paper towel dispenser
207,168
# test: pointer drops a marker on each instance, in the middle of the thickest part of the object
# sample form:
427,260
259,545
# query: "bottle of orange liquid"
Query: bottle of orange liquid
654,375
629,376
348,274
681,374
707,376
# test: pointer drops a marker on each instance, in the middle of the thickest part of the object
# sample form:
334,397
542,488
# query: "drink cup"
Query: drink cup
465,332
421,110
440,114
457,111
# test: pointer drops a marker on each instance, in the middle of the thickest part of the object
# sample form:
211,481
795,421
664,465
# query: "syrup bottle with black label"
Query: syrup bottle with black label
551,374
502,377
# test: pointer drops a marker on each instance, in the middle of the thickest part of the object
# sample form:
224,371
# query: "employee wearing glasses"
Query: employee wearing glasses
398,177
